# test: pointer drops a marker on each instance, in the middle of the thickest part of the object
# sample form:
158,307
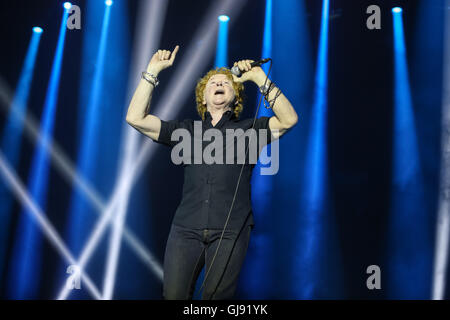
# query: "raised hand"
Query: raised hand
161,60
254,74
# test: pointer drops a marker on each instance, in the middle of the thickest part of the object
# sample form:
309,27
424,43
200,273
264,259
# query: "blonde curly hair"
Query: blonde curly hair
200,88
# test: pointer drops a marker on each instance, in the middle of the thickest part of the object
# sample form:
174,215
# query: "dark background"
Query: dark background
359,131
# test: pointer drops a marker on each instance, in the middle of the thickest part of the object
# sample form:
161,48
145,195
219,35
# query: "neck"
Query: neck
216,114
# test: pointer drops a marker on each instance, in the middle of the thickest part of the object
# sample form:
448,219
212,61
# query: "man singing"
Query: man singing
211,211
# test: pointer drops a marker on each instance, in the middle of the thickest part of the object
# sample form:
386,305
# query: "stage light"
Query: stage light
121,189
115,240
67,170
316,203
11,138
90,106
39,217
224,18
408,255
109,2
431,24
262,185
24,268
396,10
67,5
220,61
222,43
185,73
37,30
151,19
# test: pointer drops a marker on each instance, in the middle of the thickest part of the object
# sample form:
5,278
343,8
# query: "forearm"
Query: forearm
140,103
281,106
138,112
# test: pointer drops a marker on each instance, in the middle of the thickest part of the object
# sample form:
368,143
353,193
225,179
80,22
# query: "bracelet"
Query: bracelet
264,89
272,102
150,78
268,104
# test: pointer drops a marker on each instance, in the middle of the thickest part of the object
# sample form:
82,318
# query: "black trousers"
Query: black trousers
188,251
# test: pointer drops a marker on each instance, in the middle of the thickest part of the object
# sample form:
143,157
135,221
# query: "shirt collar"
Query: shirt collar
227,115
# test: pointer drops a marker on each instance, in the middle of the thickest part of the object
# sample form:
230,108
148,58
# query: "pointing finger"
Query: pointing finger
174,53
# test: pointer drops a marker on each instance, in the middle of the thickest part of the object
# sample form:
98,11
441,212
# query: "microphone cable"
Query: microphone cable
235,191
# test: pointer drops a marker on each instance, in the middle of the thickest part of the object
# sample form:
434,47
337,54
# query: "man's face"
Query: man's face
219,92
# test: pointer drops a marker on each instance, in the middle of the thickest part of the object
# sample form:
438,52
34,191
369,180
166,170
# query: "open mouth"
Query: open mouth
219,91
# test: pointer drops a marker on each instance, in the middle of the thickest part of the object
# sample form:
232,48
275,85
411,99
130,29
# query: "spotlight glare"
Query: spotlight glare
67,5
109,2
223,18
37,30
396,10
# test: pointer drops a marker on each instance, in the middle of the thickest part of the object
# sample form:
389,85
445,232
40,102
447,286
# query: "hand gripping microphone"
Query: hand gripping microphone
235,70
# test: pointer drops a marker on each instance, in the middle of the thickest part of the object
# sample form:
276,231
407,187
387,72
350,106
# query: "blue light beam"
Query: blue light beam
266,49
26,263
220,61
12,135
37,30
87,155
407,276
222,43
316,179
262,188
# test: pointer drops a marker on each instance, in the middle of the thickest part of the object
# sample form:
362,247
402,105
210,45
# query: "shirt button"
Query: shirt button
206,201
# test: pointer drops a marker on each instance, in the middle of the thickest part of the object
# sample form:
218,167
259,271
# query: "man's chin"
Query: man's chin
220,105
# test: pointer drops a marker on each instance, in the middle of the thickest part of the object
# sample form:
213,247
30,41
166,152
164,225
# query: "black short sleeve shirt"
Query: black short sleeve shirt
209,188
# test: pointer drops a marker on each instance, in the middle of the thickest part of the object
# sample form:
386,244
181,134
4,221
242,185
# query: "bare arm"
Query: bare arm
138,112
285,116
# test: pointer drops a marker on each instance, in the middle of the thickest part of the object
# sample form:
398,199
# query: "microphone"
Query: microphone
235,70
